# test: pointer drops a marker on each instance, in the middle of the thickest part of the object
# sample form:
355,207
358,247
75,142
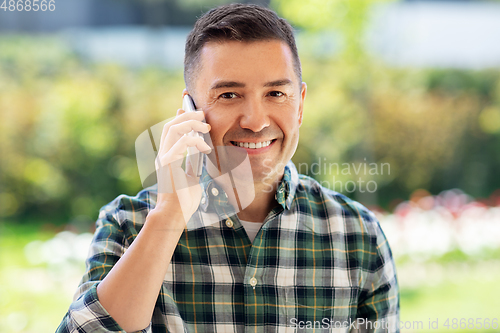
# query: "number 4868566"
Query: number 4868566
28,5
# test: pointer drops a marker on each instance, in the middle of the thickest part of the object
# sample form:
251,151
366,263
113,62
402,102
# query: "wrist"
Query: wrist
166,216
168,204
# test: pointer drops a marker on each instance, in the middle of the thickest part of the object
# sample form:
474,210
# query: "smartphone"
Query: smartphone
196,158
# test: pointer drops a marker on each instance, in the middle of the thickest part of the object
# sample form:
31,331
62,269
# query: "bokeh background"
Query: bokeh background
413,85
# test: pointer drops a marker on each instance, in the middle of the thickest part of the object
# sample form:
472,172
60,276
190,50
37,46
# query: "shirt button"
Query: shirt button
253,282
215,191
229,223
203,200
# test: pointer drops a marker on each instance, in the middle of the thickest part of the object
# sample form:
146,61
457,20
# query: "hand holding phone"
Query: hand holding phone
178,187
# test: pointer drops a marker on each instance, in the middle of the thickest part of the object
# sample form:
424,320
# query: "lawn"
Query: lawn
467,291
34,294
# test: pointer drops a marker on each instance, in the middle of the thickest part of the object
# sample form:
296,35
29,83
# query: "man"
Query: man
298,256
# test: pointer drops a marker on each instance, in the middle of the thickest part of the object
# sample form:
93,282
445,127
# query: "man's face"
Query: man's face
252,99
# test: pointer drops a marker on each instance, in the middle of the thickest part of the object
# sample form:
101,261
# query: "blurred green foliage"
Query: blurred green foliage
68,126
67,132
438,129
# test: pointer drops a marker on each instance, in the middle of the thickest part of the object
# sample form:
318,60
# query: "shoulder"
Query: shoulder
143,199
335,214
127,211
330,204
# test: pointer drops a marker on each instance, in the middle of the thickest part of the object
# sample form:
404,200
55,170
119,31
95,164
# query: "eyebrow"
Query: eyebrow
227,84
277,83
234,84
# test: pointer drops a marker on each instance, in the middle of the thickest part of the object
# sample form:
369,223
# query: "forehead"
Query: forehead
259,61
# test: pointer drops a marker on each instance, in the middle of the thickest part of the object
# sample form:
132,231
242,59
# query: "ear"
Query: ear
184,93
303,92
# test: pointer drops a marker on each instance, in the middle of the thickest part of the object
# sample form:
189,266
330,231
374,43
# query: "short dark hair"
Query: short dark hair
238,22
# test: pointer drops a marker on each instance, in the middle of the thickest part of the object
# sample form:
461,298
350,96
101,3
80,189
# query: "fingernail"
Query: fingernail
209,127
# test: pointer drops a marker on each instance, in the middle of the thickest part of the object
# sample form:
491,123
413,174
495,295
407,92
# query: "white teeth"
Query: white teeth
253,145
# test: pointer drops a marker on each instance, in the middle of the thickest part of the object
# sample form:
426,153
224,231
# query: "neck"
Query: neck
262,204
254,200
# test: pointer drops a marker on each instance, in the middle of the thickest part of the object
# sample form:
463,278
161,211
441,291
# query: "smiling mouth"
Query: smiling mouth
253,145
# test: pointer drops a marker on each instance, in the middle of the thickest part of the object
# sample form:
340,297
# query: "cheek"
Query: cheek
211,117
218,126
290,128
291,133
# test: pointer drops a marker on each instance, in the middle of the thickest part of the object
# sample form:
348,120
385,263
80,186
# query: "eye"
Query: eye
228,95
276,94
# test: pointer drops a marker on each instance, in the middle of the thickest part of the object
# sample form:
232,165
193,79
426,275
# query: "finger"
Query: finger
178,131
185,116
176,152
188,126
180,147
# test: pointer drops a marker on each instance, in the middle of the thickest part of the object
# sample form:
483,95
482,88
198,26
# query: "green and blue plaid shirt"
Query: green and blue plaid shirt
320,262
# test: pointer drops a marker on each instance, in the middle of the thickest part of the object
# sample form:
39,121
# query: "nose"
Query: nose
255,117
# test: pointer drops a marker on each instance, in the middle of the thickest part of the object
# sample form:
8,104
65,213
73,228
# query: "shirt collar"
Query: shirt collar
215,207
212,196
215,199
288,186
